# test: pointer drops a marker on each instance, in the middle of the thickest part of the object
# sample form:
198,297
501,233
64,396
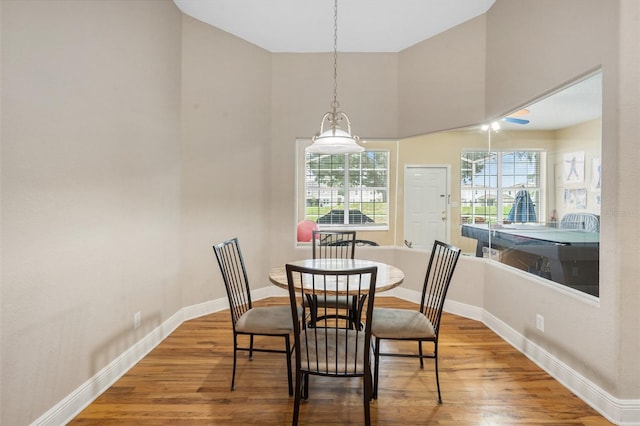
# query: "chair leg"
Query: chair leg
353,314
435,354
313,310
376,367
298,398
368,391
305,393
304,317
420,352
358,313
235,357
289,352
251,348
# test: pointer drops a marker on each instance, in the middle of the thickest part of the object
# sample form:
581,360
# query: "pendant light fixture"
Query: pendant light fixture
335,140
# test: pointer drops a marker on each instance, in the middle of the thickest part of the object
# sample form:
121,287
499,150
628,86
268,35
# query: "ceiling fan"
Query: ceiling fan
513,118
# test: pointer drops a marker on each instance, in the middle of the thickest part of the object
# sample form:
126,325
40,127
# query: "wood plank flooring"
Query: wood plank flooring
484,381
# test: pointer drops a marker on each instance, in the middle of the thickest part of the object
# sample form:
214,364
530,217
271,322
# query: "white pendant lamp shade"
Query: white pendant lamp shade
335,140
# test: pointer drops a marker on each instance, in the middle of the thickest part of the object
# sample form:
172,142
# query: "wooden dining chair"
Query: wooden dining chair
421,325
246,320
332,350
341,245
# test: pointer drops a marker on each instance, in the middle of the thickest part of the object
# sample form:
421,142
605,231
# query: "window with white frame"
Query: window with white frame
501,187
347,189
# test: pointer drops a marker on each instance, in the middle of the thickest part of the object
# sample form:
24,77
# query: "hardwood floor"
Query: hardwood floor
484,381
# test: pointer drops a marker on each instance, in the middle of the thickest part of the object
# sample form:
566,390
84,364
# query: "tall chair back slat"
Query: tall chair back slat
442,263
235,279
336,245
333,244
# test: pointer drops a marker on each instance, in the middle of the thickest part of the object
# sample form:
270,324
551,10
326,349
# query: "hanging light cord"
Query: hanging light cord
335,105
335,140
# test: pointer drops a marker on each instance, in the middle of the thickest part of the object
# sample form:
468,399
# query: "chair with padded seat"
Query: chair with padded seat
331,350
247,320
588,222
338,245
422,325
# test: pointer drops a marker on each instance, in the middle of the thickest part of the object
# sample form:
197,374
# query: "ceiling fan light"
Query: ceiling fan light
495,126
519,113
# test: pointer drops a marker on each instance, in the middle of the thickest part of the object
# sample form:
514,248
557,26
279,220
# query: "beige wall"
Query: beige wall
622,159
90,190
226,126
534,47
441,81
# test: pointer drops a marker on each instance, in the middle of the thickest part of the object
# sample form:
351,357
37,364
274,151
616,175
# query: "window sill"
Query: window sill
372,228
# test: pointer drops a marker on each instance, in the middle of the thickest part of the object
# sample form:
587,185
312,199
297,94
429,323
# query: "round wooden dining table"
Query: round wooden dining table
388,276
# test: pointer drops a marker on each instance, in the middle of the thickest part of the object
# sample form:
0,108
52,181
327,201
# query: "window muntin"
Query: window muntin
491,182
348,189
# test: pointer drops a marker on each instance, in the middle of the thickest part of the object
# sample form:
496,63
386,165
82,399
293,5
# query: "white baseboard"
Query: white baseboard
618,411
621,412
202,309
451,306
79,399
65,410
463,310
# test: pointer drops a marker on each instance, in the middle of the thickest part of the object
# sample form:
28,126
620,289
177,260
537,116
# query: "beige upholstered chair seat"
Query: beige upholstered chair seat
388,323
330,350
266,320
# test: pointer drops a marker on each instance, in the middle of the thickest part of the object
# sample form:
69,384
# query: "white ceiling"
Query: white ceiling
307,25
571,105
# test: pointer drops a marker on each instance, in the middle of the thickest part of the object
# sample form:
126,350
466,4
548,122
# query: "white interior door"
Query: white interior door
425,205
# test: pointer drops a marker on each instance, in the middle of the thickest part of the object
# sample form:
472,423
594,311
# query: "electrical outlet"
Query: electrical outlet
136,319
540,322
